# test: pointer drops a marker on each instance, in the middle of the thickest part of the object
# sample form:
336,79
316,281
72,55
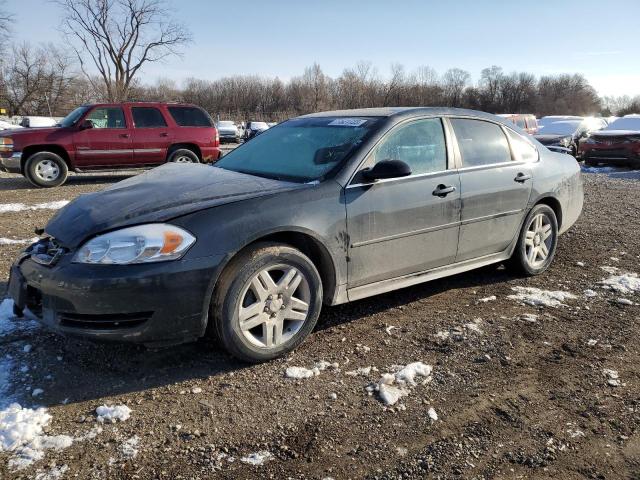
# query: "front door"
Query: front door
151,135
107,143
404,225
495,186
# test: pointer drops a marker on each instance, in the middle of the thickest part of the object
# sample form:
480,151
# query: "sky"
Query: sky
280,38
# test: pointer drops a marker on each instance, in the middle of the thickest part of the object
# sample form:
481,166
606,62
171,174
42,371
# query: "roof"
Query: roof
400,112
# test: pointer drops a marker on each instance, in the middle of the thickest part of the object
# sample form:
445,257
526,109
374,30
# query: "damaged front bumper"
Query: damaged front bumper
154,304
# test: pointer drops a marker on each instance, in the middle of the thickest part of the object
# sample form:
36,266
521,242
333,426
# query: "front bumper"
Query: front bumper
11,163
154,304
612,156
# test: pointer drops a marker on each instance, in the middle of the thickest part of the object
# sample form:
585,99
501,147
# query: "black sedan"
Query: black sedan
325,208
565,136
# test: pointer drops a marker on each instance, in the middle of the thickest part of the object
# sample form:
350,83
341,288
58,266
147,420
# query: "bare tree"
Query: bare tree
6,18
118,37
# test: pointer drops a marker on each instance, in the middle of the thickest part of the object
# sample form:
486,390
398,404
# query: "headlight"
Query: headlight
6,144
155,242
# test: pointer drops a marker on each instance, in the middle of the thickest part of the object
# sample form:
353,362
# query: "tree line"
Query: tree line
108,43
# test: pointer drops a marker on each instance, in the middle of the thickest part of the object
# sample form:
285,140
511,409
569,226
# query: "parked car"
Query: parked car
525,121
549,119
228,131
326,208
617,144
254,128
566,135
110,136
32,122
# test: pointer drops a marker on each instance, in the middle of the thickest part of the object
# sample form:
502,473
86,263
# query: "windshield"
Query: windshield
300,150
259,125
560,128
544,121
226,123
625,123
73,117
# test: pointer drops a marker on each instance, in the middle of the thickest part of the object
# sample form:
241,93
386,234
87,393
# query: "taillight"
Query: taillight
216,140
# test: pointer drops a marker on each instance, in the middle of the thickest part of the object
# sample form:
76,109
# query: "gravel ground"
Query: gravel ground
516,395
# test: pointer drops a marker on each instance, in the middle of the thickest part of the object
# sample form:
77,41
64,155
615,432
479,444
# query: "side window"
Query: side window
190,117
147,117
420,144
107,117
523,149
480,142
520,122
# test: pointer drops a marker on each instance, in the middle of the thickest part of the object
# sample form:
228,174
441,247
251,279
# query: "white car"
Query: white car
8,126
228,131
31,121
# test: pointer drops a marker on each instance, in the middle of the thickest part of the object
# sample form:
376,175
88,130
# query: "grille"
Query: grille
117,321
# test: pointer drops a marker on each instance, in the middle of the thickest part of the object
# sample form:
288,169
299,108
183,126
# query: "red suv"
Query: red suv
108,137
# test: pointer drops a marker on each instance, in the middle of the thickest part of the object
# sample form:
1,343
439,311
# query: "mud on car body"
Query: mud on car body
321,209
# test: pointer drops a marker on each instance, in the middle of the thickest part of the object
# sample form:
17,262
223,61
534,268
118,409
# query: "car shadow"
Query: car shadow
75,370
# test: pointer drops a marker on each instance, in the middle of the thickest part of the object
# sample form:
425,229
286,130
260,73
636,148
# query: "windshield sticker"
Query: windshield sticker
347,122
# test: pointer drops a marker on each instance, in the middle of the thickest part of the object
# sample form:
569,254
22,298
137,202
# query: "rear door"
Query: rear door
402,226
107,143
495,186
151,135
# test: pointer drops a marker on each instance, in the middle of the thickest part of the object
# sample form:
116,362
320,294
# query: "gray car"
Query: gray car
321,209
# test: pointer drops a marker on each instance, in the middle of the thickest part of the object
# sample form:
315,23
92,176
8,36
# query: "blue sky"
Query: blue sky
279,38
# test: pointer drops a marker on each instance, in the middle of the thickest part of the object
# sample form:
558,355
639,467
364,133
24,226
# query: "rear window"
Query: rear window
481,143
147,117
190,117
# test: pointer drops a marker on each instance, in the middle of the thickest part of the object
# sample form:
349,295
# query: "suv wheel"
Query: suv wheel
267,301
537,243
183,155
46,169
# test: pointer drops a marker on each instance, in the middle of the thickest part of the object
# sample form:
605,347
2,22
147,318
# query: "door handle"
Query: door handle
124,135
164,134
522,177
443,190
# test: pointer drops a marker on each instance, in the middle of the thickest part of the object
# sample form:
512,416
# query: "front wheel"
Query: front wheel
46,169
267,301
537,242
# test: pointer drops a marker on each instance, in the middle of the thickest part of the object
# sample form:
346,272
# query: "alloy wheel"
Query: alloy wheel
274,306
539,240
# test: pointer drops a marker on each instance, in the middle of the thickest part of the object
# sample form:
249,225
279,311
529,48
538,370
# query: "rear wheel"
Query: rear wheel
183,155
267,301
537,242
46,169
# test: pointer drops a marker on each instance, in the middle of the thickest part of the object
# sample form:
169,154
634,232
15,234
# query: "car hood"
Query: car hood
616,133
550,138
159,195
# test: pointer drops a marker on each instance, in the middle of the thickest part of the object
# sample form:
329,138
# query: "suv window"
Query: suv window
523,149
480,142
520,122
190,117
419,144
107,117
147,117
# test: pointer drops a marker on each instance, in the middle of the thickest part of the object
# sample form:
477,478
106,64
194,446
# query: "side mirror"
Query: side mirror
387,169
86,124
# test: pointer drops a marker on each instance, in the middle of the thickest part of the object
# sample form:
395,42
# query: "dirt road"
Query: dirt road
519,391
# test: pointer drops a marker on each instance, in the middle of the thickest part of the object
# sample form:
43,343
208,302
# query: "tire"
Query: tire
267,309
524,259
183,155
46,169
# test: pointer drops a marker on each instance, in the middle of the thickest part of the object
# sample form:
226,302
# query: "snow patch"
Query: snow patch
54,473
113,414
361,371
487,299
302,372
613,379
433,415
22,434
590,293
537,297
130,447
625,283
19,207
257,458
393,386
13,241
